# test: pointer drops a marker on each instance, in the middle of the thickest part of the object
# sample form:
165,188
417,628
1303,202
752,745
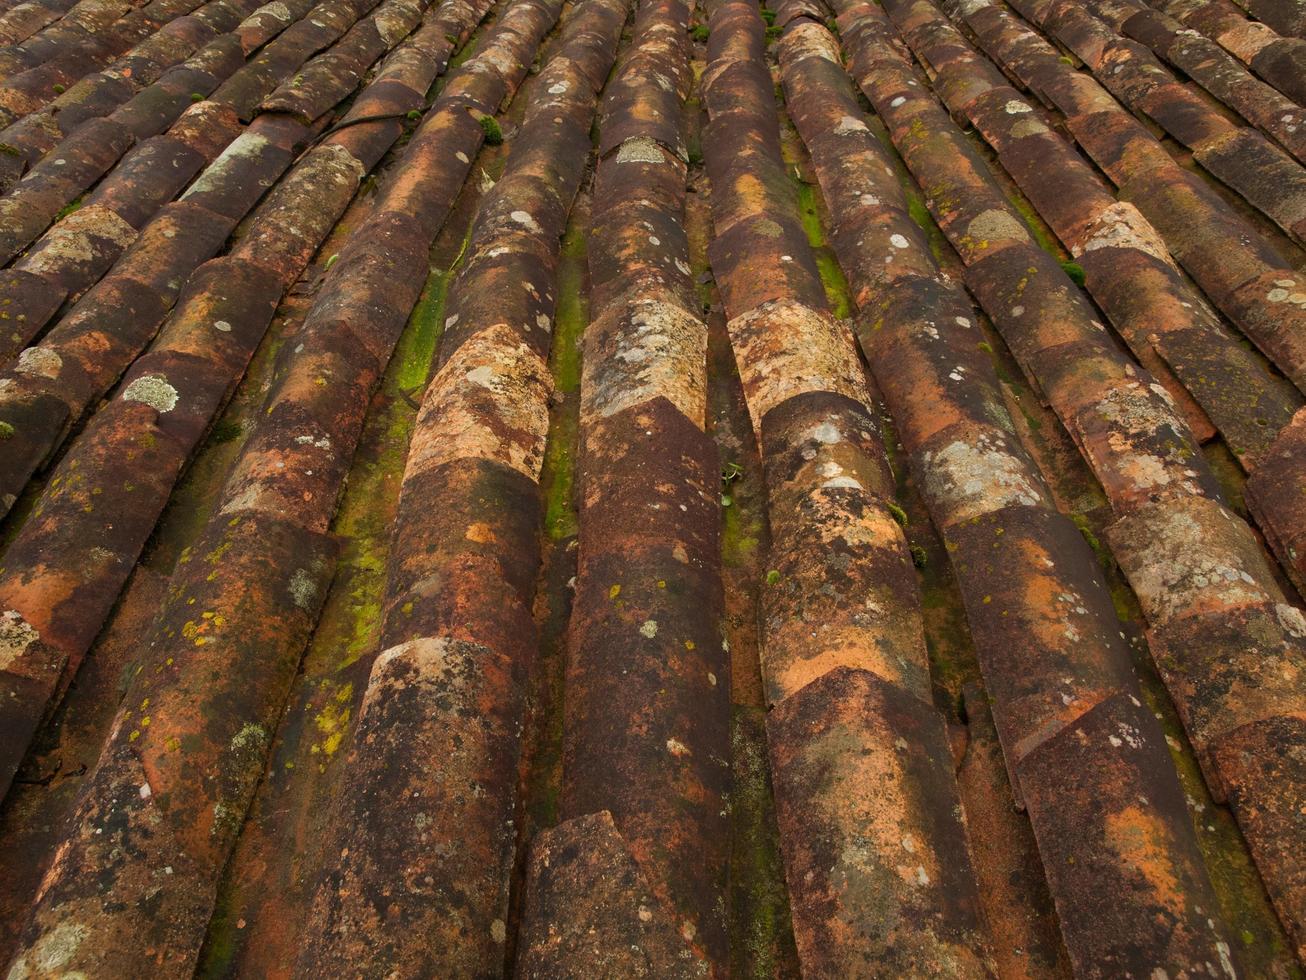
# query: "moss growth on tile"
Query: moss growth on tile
570,319
761,933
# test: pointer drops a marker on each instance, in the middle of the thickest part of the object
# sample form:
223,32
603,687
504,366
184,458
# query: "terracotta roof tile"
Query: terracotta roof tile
575,487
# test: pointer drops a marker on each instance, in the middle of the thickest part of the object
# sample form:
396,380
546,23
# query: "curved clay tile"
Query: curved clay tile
437,740
1043,624
646,730
874,849
1200,575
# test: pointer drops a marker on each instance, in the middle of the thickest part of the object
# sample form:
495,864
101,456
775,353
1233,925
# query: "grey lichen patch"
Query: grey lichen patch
71,240
1029,126
16,636
996,225
244,147
392,25
807,40
979,478
1188,554
153,390
303,589
52,952
276,9
657,351
489,401
40,362
640,149
250,738
786,349
1123,226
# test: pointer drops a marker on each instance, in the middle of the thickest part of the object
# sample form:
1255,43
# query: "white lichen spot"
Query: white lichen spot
849,124
303,590
246,146
1291,619
898,241
1016,107
484,376
524,219
222,326
897,102
677,748
826,433
649,629
498,930
153,390
981,477
1123,226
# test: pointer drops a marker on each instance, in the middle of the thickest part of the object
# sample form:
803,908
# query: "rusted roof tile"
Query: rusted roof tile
468,517
590,910
1011,551
434,678
646,731
1164,495
863,682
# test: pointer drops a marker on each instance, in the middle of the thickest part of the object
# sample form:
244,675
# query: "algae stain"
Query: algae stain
332,721
811,206
571,316
832,277
1263,946
762,941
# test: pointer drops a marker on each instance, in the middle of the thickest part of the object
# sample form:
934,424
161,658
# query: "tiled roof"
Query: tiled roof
622,488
